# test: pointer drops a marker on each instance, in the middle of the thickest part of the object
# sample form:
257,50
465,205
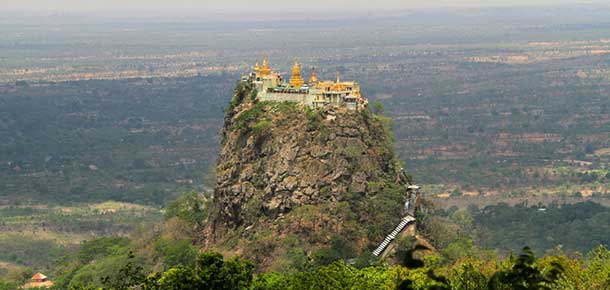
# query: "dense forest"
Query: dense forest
128,140
576,227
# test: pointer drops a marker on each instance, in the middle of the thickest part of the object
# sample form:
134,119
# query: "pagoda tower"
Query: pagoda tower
296,80
314,77
265,70
257,68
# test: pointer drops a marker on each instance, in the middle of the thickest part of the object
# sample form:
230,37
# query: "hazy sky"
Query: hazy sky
264,5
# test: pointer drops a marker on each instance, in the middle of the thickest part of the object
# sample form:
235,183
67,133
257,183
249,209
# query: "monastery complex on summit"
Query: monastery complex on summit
313,93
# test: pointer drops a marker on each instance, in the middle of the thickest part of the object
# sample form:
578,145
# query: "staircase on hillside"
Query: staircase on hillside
389,238
413,193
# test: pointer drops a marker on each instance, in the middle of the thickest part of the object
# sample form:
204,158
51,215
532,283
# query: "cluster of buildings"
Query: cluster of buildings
314,93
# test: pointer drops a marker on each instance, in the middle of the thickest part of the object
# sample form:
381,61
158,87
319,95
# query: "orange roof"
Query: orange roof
39,276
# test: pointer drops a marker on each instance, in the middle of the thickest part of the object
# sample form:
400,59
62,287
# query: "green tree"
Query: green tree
270,281
81,287
129,275
573,276
598,268
467,277
179,278
175,253
420,276
100,247
19,275
378,108
6,285
217,274
524,275
189,207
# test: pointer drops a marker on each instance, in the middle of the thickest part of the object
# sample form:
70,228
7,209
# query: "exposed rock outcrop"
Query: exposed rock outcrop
289,171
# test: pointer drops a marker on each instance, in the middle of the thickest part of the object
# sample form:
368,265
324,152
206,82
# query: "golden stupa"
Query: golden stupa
265,70
296,80
314,76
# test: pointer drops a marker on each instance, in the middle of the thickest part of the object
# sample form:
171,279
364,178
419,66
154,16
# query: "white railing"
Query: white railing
392,236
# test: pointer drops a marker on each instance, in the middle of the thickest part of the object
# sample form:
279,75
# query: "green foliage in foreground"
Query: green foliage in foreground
524,272
211,271
4,285
167,259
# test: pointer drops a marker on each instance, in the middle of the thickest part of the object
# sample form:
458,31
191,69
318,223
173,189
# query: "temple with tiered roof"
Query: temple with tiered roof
314,93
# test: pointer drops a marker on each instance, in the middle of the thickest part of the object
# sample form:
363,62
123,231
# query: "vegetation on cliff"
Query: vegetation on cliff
296,184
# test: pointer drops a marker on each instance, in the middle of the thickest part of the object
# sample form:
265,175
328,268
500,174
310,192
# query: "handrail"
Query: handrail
404,222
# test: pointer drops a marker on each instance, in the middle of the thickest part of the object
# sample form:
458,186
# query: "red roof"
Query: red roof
39,277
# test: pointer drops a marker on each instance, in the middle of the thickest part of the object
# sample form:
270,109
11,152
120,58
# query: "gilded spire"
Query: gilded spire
296,80
314,76
338,86
265,70
265,65
257,69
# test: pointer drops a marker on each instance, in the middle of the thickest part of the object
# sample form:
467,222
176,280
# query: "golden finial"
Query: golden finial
257,69
296,70
265,70
296,80
338,86
314,76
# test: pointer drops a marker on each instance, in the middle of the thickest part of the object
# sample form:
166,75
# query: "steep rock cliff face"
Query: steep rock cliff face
309,178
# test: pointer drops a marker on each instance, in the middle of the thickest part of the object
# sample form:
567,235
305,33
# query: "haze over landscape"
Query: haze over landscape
241,6
304,144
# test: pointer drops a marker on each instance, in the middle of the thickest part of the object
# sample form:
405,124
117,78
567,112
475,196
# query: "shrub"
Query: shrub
261,126
190,207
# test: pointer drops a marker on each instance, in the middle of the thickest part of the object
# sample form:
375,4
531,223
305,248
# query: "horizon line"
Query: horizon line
222,15
300,10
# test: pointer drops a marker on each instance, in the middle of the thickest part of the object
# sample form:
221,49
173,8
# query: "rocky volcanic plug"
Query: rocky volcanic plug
309,177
